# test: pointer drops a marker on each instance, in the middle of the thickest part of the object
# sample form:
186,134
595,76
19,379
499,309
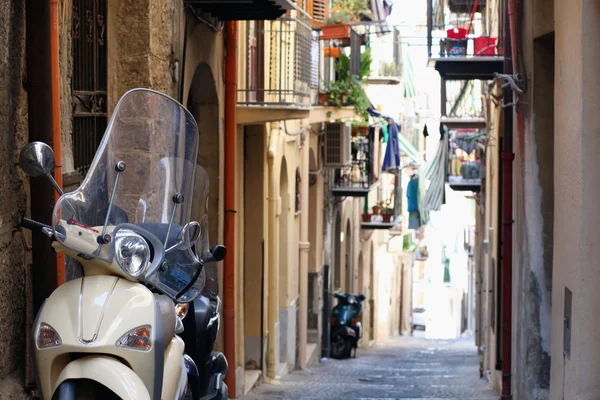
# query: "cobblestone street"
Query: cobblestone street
404,368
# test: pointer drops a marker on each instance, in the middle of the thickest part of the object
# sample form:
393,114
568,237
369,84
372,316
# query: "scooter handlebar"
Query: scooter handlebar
35,226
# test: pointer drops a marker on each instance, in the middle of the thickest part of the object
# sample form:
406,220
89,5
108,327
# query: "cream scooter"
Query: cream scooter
112,333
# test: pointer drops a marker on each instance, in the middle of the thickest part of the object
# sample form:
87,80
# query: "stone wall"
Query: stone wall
14,243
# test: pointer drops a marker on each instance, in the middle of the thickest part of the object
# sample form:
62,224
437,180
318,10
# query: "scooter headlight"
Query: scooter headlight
131,252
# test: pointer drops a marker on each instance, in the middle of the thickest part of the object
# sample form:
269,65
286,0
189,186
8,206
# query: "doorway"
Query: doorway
348,270
283,261
254,239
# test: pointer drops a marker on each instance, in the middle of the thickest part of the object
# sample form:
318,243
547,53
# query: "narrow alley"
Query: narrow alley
403,368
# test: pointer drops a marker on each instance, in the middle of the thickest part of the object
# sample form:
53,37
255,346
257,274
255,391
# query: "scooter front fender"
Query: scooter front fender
107,371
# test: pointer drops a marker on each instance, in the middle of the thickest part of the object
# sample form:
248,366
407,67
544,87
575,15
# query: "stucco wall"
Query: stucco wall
572,255
576,233
14,253
534,216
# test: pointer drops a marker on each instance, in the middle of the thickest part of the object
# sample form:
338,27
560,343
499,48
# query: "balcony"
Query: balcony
283,68
461,106
385,213
286,50
357,178
458,54
466,149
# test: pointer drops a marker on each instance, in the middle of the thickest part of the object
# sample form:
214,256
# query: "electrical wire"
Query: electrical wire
202,20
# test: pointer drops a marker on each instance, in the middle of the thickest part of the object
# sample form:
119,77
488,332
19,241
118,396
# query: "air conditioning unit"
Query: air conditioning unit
338,143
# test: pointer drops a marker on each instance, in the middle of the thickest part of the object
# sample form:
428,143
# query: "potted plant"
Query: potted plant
366,217
376,209
387,213
336,94
337,25
360,128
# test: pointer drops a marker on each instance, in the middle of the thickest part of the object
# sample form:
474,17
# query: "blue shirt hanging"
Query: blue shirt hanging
412,194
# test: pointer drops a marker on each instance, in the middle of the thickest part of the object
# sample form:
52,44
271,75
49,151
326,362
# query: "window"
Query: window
89,81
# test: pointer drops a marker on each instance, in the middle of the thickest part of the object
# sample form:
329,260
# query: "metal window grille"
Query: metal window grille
289,76
89,81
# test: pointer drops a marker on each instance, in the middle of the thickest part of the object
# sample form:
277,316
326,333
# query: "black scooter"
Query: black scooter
345,327
200,330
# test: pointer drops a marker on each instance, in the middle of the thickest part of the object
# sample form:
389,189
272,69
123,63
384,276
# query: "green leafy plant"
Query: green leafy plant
388,69
385,207
344,11
339,17
342,67
366,59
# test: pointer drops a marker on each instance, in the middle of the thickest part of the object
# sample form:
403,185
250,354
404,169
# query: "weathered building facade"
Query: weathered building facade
15,244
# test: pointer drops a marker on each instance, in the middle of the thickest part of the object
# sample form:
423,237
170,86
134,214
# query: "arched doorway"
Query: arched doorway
348,270
203,103
283,237
315,262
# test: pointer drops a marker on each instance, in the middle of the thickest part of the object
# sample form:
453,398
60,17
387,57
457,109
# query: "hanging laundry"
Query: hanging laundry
414,220
412,193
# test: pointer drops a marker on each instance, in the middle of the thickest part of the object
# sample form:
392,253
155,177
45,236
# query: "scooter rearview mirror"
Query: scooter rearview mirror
37,159
218,252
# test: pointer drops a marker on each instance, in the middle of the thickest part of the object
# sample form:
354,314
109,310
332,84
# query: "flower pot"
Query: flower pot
366,217
337,31
360,130
375,211
387,217
332,52
323,98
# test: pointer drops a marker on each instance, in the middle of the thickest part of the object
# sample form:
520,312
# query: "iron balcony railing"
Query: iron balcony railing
462,98
357,178
291,65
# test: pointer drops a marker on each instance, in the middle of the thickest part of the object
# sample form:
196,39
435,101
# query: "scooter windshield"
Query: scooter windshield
143,174
202,245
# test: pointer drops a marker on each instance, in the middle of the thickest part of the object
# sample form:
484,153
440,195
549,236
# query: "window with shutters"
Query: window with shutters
319,11
255,71
89,81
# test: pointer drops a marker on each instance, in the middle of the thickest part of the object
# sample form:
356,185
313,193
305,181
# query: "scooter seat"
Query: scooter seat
169,319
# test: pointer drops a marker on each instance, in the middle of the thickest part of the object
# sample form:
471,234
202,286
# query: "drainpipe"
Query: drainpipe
304,246
507,204
230,179
56,139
